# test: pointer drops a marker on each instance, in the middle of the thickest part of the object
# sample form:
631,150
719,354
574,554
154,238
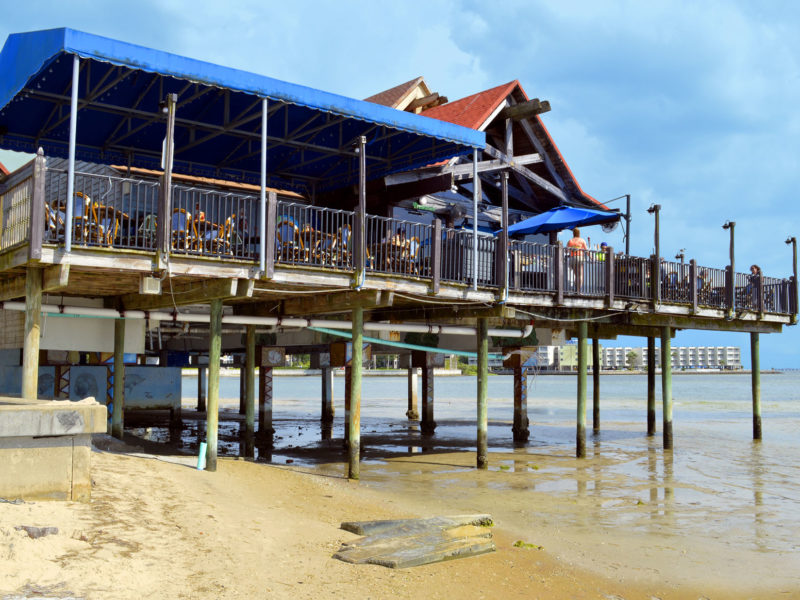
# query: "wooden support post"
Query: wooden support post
436,256
328,411
38,200
201,388
265,429
693,284
501,264
212,416
596,385
271,226
118,415
558,271
610,279
354,443
520,428
33,325
755,367
483,389
250,381
582,364
651,386
427,425
242,389
413,386
348,391
666,385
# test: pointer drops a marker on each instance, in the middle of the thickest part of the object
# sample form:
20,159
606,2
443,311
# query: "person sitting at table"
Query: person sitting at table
199,216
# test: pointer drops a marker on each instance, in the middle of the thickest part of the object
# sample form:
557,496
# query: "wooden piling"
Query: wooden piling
520,428
201,388
33,325
580,437
265,429
755,369
666,385
651,386
354,443
483,385
117,416
348,391
596,384
250,381
327,409
413,386
427,424
212,415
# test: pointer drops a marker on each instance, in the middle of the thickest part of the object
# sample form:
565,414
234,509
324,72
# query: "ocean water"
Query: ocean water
714,503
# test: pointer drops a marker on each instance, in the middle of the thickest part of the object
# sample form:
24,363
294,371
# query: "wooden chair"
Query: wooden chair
105,222
184,234
221,243
289,241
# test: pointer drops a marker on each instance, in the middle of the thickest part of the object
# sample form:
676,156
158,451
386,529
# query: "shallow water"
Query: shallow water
716,503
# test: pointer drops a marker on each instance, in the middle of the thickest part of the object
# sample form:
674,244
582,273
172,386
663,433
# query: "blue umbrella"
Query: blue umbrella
562,217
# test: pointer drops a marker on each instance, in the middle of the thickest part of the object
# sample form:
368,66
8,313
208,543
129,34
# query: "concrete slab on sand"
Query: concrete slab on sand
45,448
406,543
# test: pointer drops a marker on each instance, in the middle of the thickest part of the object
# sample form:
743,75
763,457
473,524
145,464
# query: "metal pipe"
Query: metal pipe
475,197
73,130
111,313
627,224
262,217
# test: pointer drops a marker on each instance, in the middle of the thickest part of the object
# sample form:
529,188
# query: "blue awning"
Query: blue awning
562,217
218,125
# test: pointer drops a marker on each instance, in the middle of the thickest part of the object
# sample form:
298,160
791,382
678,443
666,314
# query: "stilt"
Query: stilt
596,385
413,386
117,417
250,380
348,390
755,366
520,428
328,410
483,388
651,386
201,388
212,416
265,429
582,360
666,385
33,325
242,390
427,424
354,442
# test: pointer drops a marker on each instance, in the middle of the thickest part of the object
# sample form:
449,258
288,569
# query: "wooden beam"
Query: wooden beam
337,302
524,110
424,101
445,314
55,278
12,288
193,293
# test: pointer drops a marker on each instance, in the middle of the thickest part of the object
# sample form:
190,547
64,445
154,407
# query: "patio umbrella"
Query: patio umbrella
562,217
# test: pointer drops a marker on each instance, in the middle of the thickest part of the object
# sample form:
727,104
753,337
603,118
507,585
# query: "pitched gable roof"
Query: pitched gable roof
473,110
394,96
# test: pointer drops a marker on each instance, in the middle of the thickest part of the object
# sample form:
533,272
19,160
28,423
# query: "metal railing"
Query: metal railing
531,266
121,212
15,214
398,247
313,236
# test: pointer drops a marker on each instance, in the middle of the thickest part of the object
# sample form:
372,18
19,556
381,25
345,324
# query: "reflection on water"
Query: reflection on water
717,487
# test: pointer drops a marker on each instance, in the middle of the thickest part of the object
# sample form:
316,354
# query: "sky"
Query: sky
693,106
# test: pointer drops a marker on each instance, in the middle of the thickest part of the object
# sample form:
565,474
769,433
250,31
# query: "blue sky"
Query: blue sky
690,105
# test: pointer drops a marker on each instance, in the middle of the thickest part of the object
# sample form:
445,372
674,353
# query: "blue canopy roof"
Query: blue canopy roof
218,119
562,217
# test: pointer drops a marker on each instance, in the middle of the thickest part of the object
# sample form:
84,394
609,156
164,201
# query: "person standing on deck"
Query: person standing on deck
577,247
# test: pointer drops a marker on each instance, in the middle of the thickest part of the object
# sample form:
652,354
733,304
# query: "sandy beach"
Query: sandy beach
158,528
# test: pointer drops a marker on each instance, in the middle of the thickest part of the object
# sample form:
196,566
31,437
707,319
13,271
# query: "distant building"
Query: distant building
683,357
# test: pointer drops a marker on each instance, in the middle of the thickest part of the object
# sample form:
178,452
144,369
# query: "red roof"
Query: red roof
473,111
392,97
3,170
